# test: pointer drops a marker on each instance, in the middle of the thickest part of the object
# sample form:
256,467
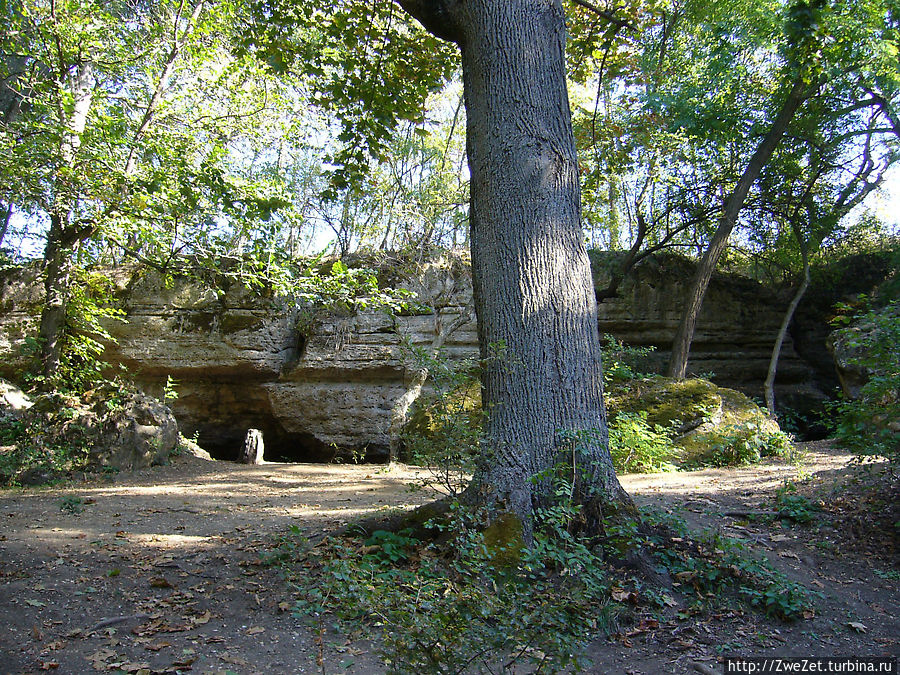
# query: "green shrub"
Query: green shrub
444,430
622,362
636,448
54,437
81,366
469,610
713,565
870,424
737,445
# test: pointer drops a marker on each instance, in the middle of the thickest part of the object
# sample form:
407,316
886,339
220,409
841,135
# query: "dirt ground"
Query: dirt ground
158,571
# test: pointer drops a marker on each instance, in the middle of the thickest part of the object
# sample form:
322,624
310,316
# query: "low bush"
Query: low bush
477,605
47,443
636,448
472,601
737,445
869,424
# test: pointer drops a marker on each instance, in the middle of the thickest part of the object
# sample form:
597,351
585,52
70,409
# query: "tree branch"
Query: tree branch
436,16
603,14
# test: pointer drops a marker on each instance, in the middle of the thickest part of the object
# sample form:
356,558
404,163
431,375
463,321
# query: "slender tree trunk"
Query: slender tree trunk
63,239
7,216
537,316
57,274
785,323
681,345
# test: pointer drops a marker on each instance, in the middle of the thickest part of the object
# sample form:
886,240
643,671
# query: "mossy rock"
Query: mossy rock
425,420
711,425
677,405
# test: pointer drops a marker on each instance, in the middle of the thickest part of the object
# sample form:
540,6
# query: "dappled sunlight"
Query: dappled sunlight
747,479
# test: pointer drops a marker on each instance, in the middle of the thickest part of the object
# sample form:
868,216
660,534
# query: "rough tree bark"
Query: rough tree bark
681,344
534,300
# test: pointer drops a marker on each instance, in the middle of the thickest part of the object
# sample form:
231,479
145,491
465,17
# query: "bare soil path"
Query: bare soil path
158,571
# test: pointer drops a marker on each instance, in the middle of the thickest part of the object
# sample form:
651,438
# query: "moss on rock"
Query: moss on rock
711,425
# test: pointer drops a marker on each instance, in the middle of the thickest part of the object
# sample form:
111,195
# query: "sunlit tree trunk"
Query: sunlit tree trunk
537,317
769,387
681,344
63,237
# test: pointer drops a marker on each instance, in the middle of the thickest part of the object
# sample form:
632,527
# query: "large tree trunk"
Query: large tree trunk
681,344
537,316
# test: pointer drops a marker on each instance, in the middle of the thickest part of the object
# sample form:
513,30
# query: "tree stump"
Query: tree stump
253,448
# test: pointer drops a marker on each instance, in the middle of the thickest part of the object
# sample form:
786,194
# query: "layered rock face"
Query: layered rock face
318,384
735,332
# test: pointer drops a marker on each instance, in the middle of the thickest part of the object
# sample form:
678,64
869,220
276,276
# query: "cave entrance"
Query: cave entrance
280,445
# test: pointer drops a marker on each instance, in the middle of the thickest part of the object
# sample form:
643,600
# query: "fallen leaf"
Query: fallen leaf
202,619
234,660
619,594
156,646
256,630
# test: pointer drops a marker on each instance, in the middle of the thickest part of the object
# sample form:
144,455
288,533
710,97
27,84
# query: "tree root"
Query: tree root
416,521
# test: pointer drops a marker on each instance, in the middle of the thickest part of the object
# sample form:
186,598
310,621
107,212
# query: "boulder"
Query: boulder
711,424
137,433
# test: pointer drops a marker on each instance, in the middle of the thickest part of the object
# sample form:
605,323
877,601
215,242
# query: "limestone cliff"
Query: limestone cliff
318,382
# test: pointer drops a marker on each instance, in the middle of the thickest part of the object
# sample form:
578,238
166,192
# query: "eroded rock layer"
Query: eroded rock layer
320,383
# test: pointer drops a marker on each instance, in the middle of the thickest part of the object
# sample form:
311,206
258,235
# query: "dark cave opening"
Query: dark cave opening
282,446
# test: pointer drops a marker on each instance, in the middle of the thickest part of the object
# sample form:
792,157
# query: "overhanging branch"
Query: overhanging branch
604,14
436,16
